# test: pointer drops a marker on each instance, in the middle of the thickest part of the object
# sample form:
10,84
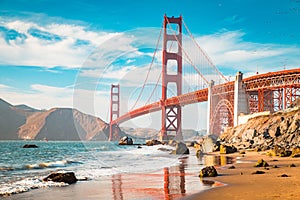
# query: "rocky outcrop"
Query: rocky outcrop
278,132
65,177
126,141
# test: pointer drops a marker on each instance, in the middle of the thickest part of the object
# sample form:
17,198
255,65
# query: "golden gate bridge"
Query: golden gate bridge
188,76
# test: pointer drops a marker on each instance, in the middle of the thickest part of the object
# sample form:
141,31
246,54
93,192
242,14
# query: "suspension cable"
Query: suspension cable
188,58
204,53
153,57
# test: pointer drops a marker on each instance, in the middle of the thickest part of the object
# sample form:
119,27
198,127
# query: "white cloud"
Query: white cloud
35,51
228,49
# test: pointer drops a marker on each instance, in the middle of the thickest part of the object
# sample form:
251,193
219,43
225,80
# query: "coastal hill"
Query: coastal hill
24,122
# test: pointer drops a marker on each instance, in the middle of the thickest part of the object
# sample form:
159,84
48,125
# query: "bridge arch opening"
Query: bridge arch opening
222,117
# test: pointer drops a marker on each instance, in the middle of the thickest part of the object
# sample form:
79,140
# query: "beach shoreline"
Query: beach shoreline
172,182
279,182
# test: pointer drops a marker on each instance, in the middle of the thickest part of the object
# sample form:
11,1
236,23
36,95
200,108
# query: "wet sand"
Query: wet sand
173,182
243,185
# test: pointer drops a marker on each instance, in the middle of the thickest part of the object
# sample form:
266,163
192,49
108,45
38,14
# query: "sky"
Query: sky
67,54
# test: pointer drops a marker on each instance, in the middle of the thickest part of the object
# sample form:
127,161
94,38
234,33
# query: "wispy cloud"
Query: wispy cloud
228,49
29,44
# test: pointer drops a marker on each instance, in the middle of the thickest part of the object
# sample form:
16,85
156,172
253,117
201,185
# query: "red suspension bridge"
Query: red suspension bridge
189,76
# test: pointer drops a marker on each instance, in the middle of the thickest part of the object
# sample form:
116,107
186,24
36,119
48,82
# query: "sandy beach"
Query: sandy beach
241,184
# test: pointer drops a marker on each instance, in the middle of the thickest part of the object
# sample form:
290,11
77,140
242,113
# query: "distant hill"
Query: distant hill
10,121
24,122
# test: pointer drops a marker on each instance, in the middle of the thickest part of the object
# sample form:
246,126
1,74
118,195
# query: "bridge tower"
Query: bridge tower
114,111
171,115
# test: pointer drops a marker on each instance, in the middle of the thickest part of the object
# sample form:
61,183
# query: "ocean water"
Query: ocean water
22,169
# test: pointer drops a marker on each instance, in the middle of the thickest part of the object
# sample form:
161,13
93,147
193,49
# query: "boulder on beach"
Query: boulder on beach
126,141
209,171
261,163
181,148
65,177
30,146
224,149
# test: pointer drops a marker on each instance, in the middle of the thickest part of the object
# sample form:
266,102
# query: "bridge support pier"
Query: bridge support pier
171,115
240,98
209,108
114,111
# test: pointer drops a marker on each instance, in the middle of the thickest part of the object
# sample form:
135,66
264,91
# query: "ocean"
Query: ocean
22,169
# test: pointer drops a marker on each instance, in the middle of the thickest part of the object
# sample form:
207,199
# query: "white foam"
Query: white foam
27,185
61,163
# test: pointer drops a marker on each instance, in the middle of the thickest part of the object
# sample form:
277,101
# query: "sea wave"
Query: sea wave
54,164
27,185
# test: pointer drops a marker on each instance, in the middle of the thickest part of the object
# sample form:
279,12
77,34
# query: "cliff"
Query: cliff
264,132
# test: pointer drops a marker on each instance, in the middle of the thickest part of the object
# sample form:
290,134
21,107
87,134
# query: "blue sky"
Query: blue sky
46,46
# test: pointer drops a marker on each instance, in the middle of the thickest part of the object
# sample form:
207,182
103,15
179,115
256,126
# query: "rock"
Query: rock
258,172
199,153
231,167
283,175
292,165
208,182
139,147
153,142
249,135
279,151
227,149
66,177
181,148
126,141
261,163
209,171
208,143
295,152
30,146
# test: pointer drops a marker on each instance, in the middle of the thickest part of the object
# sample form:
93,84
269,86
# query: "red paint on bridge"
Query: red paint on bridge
286,83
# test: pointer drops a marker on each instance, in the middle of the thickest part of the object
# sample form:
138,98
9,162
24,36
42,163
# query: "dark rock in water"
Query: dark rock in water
181,148
227,149
139,147
65,177
126,141
30,146
208,182
153,142
261,163
209,171
258,172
